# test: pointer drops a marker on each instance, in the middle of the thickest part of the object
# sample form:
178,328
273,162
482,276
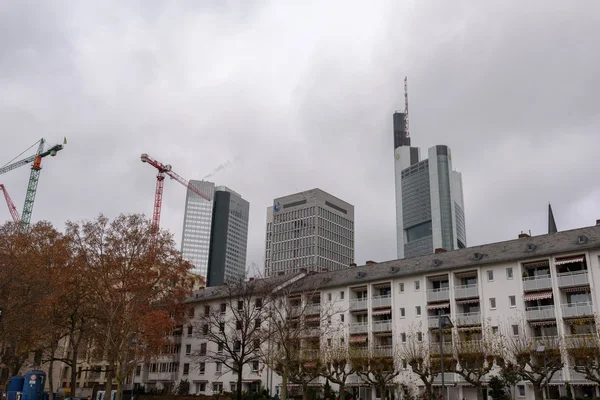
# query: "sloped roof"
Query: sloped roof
511,250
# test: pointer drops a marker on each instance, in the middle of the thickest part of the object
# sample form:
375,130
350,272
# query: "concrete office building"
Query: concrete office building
429,197
197,223
229,237
312,230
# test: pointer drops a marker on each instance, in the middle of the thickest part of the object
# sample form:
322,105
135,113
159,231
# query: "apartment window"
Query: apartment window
217,387
202,349
328,320
341,317
219,367
521,389
417,285
256,344
190,329
201,387
205,329
238,325
255,366
222,326
240,306
493,303
490,274
220,348
329,342
418,310
202,368
258,303
186,369
509,273
404,364
515,330
206,310
512,300
419,336
342,295
257,322
342,341
403,337
223,308
237,346
401,287
494,330
188,349
402,312
328,296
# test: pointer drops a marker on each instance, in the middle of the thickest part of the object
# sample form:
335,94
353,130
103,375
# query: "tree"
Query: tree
297,318
498,389
378,369
336,365
522,357
140,283
584,355
236,327
476,354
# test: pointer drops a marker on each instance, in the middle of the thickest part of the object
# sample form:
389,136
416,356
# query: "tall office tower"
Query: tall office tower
312,230
429,197
229,237
197,222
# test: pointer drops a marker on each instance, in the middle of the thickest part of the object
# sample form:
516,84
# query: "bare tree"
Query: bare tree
584,355
378,368
336,365
236,327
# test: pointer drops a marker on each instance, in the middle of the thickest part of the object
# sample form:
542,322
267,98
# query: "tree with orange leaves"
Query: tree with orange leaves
140,282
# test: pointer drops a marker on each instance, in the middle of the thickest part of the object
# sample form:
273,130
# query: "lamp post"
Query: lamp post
542,349
124,368
443,321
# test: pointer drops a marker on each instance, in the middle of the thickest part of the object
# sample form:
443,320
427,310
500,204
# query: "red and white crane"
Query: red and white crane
11,206
165,170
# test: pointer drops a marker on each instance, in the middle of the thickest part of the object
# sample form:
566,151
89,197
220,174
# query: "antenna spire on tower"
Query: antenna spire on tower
406,107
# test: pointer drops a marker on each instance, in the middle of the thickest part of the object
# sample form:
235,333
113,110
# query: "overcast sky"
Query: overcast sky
300,94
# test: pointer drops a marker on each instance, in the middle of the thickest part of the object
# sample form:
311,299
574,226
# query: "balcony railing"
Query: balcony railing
434,321
162,376
577,309
441,294
358,327
312,331
358,304
576,376
435,349
541,282
383,351
472,318
310,354
382,326
381,301
540,312
570,279
466,291
312,309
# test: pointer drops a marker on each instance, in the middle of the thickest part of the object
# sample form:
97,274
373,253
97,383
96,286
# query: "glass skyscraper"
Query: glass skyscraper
197,222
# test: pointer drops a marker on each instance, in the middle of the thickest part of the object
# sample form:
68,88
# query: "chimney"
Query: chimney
597,222
370,262
523,235
440,250
352,265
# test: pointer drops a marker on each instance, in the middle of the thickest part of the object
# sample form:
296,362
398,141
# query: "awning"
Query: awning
438,306
199,381
538,295
468,301
542,323
382,312
576,289
358,338
543,263
569,260
468,274
382,285
438,278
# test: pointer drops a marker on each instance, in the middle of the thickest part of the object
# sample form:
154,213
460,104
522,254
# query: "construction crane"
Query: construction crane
11,206
165,170
34,176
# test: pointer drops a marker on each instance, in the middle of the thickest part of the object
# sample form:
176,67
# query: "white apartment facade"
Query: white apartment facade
533,285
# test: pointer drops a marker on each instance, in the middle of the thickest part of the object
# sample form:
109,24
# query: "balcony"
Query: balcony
435,295
541,282
358,304
448,377
383,351
578,377
466,291
162,376
573,279
465,319
312,331
435,350
540,313
382,326
313,309
577,310
358,327
434,322
381,301
310,354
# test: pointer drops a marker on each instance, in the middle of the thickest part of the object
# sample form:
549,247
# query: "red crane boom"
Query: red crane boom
165,169
11,206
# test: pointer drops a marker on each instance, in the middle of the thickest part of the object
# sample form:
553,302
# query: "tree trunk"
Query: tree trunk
284,383
342,389
109,382
304,391
537,391
428,389
239,383
119,387
74,356
480,392
50,377
383,391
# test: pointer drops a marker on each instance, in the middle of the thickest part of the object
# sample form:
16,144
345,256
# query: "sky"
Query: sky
297,95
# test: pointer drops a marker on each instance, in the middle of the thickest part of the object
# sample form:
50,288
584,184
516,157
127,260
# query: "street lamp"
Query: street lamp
124,368
542,349
443,322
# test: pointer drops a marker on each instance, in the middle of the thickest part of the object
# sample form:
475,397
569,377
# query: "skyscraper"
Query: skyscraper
229,237
312,230
197,222
429,197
